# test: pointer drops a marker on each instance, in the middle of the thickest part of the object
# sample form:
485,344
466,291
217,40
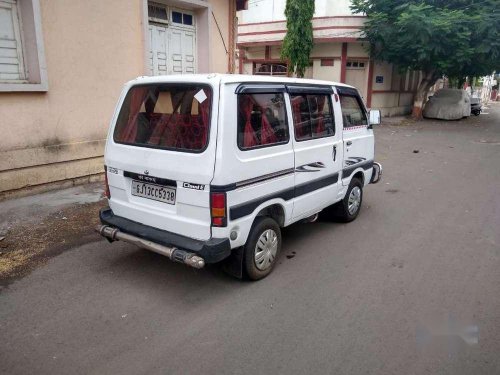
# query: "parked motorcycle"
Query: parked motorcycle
475,106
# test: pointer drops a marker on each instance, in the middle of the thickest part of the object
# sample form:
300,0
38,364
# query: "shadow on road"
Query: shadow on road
157,270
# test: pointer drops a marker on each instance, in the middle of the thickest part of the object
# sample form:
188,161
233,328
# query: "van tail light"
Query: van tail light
218,209
106,185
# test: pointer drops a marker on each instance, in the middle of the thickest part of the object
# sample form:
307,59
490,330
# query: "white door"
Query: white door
189,52
159,49
357,135
183,43
173,50
357,76
318,150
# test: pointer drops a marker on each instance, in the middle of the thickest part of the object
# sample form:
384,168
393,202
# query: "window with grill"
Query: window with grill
22,57
355,64
11,48
271,69
157,13
326,62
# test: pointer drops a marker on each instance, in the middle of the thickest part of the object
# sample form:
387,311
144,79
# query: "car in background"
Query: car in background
448,104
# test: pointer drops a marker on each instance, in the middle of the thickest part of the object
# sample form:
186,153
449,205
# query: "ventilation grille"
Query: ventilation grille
157,13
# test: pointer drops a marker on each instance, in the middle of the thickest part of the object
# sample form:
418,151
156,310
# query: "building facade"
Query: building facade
63,64
339,52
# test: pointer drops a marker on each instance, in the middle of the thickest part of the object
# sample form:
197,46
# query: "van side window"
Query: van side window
261,120
312,116
353,112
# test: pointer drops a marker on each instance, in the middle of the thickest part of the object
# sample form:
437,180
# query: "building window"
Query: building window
182,18
187,19
312,116
241,5
326,62
177,17
355,65
261,120
22,59
157,13
270,69
12,67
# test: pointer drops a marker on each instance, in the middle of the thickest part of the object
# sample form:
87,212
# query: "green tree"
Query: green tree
455,38
298,41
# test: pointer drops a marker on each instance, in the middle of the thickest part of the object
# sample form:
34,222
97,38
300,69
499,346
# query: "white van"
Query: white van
202,168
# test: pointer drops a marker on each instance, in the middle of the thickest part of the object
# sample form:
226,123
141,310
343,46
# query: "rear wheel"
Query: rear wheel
262,248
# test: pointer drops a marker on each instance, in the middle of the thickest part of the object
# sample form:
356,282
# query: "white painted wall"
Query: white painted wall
327,8
92,48
384,70
327,73
274,10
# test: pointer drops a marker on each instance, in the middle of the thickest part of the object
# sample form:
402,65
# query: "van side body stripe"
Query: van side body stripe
244,209
366,165
250,181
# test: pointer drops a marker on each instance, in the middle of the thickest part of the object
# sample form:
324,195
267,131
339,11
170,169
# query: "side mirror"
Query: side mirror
375,117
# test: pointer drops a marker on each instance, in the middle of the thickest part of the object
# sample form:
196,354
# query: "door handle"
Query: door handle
334,153
348,143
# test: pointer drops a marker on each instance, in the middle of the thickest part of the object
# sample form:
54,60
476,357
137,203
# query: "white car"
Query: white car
448,104
202,168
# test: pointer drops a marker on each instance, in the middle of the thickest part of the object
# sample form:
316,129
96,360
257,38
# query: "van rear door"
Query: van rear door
160,156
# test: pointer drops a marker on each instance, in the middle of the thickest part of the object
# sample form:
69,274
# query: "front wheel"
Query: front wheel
348,208
262,248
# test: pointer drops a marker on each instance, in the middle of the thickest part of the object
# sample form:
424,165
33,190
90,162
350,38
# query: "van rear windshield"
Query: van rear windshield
167,116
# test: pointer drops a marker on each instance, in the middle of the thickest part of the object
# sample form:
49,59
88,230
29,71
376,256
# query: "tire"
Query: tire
340,210
263,229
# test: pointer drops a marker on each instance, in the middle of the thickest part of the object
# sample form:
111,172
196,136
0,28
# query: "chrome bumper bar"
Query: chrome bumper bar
173,253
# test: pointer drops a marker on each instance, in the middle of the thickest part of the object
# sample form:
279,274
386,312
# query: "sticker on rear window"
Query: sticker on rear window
200,96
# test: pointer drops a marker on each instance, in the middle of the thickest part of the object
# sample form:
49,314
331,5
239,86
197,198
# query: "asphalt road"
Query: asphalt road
410,287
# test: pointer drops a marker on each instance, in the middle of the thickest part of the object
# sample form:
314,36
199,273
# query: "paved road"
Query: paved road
402,290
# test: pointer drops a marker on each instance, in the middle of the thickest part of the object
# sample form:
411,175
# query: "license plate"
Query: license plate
151,191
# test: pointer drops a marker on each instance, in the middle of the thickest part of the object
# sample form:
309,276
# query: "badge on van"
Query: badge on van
187,185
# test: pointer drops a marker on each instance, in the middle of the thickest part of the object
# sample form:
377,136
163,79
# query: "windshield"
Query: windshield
168,116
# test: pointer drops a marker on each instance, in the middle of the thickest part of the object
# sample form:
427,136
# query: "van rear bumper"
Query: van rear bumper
212,251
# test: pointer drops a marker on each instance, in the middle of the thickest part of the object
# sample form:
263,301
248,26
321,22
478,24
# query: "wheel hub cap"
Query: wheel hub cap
354,200
266,249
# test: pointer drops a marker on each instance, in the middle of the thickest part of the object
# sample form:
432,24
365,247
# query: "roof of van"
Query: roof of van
229,78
